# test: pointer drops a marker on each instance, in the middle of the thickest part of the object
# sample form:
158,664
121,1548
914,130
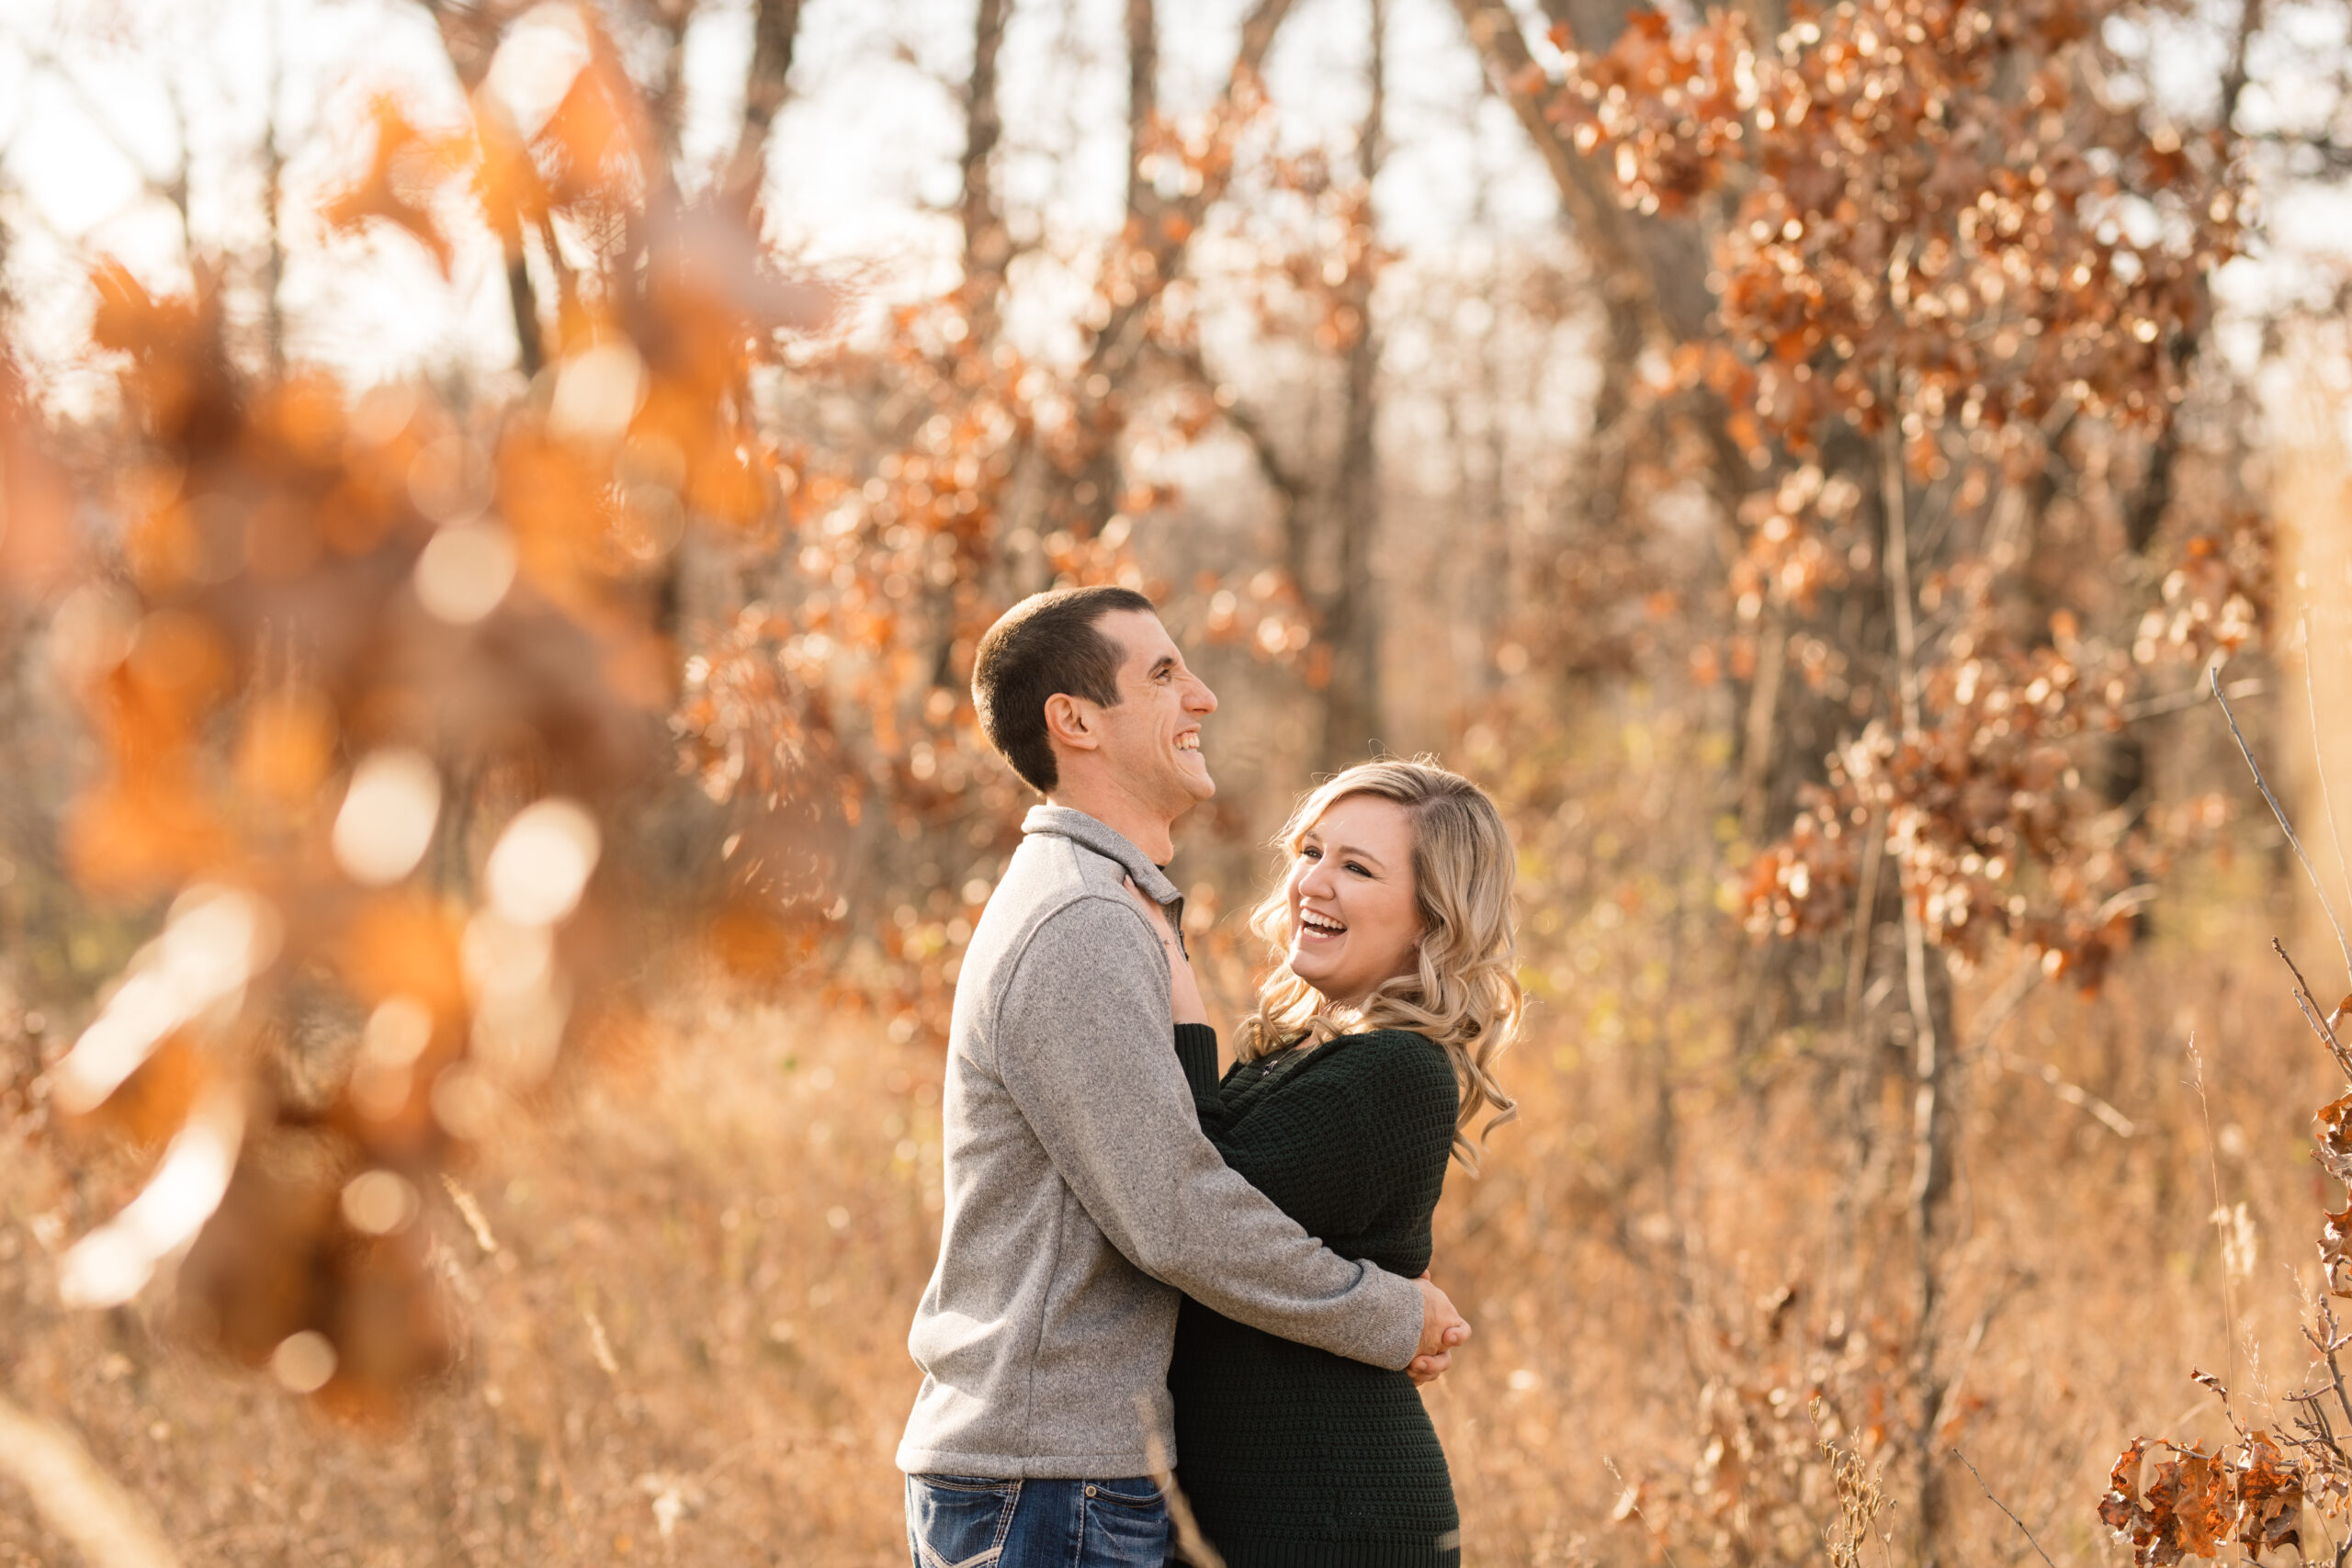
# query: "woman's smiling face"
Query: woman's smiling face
1354,918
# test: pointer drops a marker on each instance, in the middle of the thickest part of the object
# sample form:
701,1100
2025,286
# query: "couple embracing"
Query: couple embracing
1139,1259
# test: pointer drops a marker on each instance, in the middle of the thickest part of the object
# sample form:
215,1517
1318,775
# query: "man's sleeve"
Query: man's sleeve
1081,1041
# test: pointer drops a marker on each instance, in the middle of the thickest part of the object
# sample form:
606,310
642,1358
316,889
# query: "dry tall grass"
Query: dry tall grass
689,1279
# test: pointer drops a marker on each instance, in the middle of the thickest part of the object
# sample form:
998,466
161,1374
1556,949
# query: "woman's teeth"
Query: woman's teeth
1312,924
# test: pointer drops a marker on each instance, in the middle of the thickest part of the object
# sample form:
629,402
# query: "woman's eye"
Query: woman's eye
1359,870
1310,852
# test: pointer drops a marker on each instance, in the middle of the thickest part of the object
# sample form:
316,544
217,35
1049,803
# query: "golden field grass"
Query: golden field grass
689,1283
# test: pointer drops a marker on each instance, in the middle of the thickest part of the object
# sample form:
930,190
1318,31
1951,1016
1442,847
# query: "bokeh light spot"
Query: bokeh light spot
541,863
379,1203
303,1362
386,823
465,572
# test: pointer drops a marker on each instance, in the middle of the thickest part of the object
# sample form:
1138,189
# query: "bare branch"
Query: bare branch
1271,466
1190,1542
2003,1506
2213,674
2233,79
2311,1011
2319,750
1604,228
2173,702
75,1497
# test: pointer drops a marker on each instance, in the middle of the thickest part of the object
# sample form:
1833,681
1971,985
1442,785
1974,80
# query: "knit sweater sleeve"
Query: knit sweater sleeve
1354,1135
1196,1054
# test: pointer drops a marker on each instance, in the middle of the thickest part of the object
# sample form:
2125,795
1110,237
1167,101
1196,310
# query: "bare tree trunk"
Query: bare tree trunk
470,36
273,169
1928,984
987,244
1143,102
1350,611
667,102
1655,268
775,32
1137,274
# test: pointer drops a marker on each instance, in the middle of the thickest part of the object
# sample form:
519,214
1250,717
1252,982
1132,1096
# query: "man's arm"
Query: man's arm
1081,1041
1196,1054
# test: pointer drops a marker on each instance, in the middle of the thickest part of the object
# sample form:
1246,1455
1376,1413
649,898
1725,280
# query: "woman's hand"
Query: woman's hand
1184,991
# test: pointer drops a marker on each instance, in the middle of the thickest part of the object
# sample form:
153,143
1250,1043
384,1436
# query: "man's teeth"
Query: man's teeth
1188,743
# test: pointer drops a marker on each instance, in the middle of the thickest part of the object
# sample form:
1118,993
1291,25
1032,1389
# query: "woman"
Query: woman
1363,1065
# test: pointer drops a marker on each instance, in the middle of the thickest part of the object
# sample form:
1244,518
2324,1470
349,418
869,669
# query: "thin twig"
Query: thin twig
1893,501
2319,756
2221,1215
2213,674
1974,1342
1190,1542
75,1497
2012,995
1632,1499
2173,702
2327,1348
2081,1099
2309,1005
1858,958
2003,1508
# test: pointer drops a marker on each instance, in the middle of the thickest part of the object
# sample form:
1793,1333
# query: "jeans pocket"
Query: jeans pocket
956,1521
1126,1526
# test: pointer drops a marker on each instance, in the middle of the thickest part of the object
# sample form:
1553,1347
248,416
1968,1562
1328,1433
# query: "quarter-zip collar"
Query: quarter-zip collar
1068,822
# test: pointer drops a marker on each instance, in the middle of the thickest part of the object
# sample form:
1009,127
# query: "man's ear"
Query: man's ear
1071,723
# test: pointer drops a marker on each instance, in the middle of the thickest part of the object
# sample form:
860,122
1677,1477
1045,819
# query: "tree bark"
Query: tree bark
1654,267
666,104
1143,102
470,35
273,170
987,244
775,32
1350,613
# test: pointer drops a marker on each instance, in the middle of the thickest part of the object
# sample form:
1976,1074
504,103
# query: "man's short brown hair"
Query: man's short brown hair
1049,643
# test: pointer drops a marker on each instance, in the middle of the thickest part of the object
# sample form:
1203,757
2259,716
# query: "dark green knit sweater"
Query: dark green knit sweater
1292,1457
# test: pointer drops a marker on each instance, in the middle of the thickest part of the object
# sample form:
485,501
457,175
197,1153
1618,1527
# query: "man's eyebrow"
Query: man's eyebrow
1165,663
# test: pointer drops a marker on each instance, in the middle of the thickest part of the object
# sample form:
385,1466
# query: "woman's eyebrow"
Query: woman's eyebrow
1351,850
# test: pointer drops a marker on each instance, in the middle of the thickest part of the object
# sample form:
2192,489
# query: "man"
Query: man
1083,1200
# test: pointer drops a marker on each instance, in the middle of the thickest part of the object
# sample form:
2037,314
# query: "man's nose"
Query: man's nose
1199,698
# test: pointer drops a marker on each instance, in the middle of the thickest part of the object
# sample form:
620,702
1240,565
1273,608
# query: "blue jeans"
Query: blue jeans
960,1521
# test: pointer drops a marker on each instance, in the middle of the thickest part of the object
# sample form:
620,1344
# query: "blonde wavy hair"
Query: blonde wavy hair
1463,993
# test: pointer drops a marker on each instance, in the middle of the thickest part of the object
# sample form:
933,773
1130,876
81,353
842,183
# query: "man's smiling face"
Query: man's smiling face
1152,739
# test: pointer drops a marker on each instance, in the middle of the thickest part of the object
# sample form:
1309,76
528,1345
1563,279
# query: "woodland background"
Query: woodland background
496,504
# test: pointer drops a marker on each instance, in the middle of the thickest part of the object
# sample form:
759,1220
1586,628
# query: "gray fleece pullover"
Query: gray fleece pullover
1083,1200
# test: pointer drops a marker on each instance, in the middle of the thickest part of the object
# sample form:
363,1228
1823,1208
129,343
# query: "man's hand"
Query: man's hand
1443,1328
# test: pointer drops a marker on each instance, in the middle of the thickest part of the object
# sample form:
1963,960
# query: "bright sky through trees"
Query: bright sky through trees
94,100
862,176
